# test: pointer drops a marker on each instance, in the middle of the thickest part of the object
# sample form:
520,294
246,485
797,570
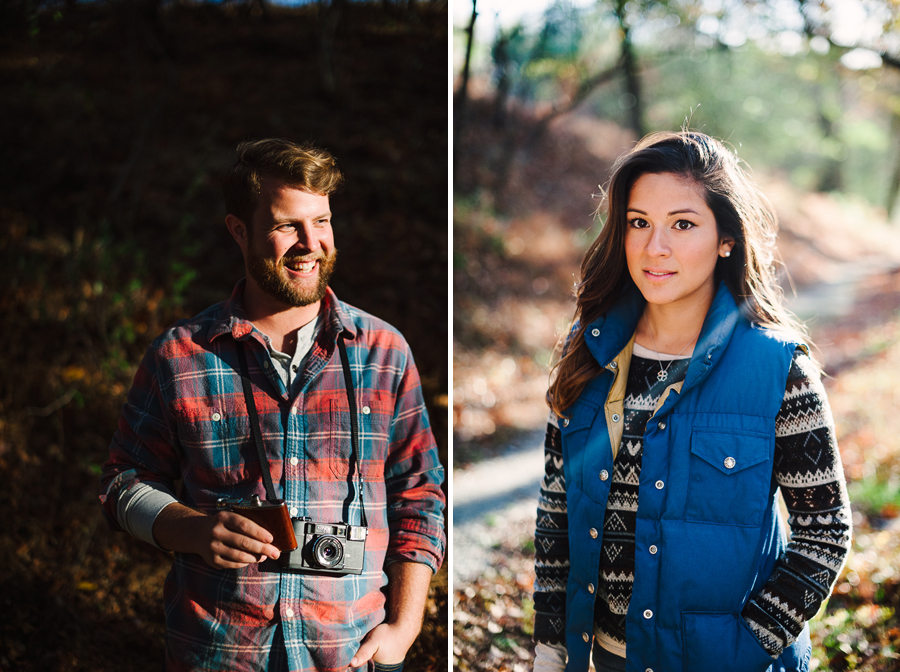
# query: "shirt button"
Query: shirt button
295,368
653,549
660,485
294,511
729,462
616,417
595,332
590,587
593,532
662,425
565,422
294,411
366,410
585,637
604,475
289,612
294,461
648,613
216,417
266,364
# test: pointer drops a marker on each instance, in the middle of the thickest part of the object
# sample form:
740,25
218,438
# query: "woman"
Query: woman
683,399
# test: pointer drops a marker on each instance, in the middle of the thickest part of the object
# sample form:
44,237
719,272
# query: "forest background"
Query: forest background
807,93
118,118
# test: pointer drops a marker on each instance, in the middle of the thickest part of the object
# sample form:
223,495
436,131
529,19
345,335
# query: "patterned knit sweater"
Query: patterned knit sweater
807,468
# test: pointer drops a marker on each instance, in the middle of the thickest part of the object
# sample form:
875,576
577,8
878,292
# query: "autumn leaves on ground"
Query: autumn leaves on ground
517,247
117,121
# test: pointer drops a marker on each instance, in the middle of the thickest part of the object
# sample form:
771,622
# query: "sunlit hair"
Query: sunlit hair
742,212
301,166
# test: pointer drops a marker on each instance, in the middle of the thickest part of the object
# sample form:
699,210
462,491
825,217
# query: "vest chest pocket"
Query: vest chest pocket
575,431
730,477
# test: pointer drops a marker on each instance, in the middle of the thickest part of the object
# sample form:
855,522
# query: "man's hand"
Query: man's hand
407,593
225,540
385,644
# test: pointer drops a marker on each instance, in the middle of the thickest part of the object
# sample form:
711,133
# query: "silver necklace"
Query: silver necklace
663,374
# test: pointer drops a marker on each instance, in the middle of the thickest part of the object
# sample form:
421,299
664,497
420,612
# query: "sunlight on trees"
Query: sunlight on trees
807,90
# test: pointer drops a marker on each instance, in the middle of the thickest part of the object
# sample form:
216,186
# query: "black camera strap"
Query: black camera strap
355,455
254,422
354,422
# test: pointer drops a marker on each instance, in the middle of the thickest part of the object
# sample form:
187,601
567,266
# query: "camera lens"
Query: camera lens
328,552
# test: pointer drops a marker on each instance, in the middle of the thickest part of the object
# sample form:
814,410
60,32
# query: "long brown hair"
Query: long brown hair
742,212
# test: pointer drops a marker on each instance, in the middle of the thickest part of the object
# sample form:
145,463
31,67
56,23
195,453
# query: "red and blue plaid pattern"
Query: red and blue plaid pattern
186,418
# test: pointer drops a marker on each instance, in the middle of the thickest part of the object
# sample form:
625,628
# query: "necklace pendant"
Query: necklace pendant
662,375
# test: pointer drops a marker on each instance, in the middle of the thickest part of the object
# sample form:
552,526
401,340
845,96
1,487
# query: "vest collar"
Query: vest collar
610,334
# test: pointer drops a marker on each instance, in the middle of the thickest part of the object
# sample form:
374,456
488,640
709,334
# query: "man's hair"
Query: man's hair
300,166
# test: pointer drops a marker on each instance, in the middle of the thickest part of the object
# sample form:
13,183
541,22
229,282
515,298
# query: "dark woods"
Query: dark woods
117,118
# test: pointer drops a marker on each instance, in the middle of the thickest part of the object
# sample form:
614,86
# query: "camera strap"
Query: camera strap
254,423
355,455
354,422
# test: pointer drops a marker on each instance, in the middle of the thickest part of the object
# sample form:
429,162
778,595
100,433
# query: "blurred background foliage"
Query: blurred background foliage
118,118
807,93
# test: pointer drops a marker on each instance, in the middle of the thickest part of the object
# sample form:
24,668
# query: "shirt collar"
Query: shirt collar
233,319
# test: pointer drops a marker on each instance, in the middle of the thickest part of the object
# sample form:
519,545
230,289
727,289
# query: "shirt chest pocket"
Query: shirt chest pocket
216,439
730,476
374,415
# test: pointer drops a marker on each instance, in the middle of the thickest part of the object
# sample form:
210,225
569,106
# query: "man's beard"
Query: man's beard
272,277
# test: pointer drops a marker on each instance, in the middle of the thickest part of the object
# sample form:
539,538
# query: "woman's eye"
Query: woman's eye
638,223
684,225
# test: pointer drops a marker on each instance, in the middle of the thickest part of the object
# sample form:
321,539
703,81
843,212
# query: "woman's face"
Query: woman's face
671,241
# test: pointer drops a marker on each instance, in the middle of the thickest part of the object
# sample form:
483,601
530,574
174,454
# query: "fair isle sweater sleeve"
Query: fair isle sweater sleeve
808,469
551,545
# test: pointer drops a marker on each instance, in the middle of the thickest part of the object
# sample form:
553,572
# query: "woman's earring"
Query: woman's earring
727,253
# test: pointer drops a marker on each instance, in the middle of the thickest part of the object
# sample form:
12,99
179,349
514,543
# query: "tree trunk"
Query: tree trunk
633,84
329,16
894,185
462,95
831,177
501,60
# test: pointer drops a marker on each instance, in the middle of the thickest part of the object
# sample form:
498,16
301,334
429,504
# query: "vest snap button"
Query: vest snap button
660,485
590,587
662,425
565,422
585,637
613,365
653,549
729,462
604,475
593,532
595,332
648,613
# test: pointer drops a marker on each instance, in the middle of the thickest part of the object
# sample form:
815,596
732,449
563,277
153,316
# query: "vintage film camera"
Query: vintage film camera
335,549
327,548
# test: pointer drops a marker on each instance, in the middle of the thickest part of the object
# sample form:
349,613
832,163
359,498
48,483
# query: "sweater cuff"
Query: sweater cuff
138,508
550,657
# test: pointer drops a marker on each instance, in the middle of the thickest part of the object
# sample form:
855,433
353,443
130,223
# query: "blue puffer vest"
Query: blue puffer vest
706,498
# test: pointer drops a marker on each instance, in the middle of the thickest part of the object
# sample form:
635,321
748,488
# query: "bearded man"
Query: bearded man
285,393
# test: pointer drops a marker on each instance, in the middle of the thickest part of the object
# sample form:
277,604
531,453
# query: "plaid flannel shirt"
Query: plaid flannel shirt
186,419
